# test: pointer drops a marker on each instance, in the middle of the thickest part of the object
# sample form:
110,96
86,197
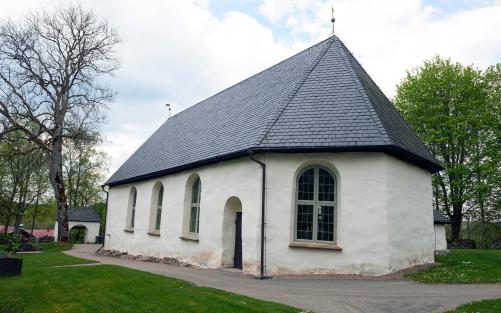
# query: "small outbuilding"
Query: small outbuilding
440,238
85,218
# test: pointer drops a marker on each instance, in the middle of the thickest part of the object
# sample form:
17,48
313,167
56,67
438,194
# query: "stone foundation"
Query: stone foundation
144,258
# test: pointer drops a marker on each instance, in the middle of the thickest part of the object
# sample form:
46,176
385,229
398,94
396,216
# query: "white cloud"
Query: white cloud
388,37
179,52
172,52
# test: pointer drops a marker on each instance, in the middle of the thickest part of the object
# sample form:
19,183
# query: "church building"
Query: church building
305,167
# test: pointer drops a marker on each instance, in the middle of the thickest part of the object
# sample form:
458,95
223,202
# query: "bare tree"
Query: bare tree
51,86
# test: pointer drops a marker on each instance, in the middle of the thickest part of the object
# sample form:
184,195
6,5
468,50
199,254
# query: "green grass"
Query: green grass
108,288
463,266
54,246
484,306
51,255
46,259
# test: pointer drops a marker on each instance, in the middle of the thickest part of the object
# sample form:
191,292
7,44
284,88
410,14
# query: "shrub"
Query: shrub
5,238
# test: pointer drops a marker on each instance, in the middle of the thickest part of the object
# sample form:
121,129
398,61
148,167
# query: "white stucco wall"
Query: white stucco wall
410,214
373,222
440,238
237,178
90,235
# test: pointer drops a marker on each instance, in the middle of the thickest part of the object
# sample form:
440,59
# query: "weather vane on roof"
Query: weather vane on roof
333,20
168,106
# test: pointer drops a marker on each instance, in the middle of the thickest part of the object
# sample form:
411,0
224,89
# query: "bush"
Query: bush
77,235
7,241
11,305
5,238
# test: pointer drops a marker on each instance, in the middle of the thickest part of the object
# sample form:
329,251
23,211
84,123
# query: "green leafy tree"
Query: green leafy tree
452,108
83,171
24,178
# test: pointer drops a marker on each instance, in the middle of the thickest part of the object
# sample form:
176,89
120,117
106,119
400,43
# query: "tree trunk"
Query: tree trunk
57,182
18,219
7,222
34,217
483,233
457,218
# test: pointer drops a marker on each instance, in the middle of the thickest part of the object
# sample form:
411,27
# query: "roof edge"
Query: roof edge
390,149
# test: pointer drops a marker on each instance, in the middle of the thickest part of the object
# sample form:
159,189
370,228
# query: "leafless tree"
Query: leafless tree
52,66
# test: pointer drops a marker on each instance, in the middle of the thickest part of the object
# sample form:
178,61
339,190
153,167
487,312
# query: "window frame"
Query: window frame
158,208
132,209
316,204
195,205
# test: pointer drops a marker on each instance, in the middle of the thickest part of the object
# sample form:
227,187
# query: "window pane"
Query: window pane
304,227
159,217
194,220
133,213
134,197
305,185
325,229
160,196
325,186
195,192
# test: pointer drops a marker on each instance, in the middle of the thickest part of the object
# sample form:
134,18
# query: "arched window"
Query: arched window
315,205
196,190
132,208
160,198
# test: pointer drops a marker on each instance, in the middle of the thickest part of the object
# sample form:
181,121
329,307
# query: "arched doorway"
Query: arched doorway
232,234
78,234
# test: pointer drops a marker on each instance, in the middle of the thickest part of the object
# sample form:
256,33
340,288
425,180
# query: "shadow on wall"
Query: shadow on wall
232,206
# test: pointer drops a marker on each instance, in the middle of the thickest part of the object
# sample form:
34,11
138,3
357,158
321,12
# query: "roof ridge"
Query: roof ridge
385,104
374,115
272,121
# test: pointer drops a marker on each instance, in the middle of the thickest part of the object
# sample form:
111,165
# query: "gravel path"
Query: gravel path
321,295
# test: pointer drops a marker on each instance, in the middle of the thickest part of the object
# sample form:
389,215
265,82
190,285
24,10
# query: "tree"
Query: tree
41,216
51,86
83,171
24,177
449,106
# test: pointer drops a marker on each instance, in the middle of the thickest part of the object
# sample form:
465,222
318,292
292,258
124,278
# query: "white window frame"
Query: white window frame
158,211
195,205
316,204
133,204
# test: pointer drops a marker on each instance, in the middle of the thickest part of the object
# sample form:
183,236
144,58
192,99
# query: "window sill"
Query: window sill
129,230
190,237
315,245
154,233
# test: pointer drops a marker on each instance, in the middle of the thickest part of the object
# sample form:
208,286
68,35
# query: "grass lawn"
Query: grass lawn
51,256
107,288
464,266
484,306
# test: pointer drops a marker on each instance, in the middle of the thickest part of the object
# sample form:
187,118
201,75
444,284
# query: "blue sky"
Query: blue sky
182,51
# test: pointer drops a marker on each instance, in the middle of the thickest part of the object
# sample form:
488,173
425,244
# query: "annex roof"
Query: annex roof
83,214
439,218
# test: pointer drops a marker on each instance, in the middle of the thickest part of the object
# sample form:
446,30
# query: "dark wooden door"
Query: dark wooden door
237,260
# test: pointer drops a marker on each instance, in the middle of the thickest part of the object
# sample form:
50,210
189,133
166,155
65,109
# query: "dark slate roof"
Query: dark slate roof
83,214
439,218
319,100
